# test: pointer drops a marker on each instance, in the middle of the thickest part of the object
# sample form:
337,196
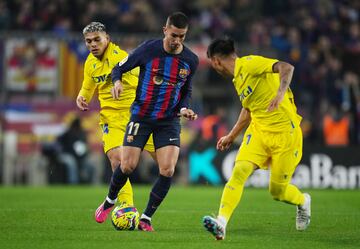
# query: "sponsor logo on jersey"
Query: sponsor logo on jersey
245,93
101,78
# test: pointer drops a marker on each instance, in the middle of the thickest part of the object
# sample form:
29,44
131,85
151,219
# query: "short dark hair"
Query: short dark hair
94,27
221,47
178,19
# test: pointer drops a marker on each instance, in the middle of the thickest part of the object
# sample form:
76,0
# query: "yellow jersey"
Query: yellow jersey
97,75
257,85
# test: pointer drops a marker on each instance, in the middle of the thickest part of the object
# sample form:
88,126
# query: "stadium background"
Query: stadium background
41,67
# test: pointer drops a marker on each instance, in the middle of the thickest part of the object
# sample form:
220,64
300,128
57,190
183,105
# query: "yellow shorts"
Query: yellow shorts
113,126
282,151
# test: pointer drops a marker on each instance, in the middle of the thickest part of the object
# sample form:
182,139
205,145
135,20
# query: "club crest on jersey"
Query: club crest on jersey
158,80
130,138
183,72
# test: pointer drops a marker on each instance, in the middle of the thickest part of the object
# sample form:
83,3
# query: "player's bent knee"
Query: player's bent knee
277,190
114,164
127,170
129,164
168,172
114,158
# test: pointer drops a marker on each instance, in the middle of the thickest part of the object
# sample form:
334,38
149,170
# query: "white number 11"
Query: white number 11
135,126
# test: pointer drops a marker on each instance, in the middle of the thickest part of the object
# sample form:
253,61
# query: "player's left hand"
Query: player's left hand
274,104
117,89
188,114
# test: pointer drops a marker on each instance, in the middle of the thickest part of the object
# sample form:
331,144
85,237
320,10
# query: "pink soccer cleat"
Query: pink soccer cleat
145,225
101,214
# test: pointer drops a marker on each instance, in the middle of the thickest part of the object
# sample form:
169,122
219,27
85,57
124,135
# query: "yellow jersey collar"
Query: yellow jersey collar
236,69
107,51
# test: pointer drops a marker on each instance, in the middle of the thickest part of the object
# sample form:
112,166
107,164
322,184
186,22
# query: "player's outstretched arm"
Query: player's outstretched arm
117,89
285,71
188,114
81,103
243,121
127,64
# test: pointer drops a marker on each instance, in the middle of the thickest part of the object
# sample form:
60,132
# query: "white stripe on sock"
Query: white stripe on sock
144,216
110,201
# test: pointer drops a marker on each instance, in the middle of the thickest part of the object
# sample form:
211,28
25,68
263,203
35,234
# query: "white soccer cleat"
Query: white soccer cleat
215,227
303,214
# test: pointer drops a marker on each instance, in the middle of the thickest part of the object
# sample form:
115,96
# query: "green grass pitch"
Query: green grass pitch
62,217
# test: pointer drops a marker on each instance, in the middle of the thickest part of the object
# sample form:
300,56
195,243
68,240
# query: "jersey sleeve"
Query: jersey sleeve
130,62
88,86
128,76
120,55
186,90
256,65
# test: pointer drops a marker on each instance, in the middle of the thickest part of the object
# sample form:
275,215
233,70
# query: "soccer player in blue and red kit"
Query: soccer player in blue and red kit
162,96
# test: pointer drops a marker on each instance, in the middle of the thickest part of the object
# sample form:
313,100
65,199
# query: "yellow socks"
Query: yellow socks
286,192
125,194
234,187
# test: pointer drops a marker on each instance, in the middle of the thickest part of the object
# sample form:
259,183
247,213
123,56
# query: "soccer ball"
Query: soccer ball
125,218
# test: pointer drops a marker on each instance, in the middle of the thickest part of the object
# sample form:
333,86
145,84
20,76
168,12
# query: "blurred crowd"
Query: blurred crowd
320,38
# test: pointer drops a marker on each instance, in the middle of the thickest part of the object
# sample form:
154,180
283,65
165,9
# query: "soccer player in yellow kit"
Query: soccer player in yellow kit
114,113
273,138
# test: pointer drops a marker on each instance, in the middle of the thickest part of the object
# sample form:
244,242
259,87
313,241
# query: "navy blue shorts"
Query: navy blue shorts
165,132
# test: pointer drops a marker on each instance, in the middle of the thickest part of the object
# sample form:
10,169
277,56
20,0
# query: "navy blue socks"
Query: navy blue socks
158,193
118,180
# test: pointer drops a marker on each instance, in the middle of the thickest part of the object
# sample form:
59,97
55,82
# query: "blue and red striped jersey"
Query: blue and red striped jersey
164,81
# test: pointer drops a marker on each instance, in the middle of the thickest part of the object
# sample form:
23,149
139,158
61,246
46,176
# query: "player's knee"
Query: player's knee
128,166
168,172
241,171
114,164
127,170
115,159
277,190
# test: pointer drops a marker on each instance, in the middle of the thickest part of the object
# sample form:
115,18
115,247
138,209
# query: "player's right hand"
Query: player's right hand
81,103
224,143
188,114
117,89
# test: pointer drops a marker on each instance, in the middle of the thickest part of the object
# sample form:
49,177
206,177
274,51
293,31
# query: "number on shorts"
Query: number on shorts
248,138
134,126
